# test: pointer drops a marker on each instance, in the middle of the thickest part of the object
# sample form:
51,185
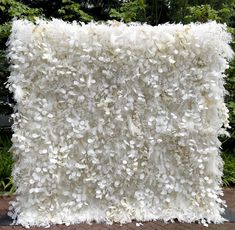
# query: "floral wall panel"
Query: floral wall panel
116,122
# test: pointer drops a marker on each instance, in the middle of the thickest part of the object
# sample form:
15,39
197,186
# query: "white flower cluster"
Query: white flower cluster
116,122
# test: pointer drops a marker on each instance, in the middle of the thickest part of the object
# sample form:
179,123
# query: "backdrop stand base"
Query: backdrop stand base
5,220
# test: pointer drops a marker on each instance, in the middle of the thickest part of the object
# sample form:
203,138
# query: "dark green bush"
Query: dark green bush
229,169
6,160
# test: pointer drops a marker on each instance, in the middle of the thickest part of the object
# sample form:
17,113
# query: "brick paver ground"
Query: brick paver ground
229,196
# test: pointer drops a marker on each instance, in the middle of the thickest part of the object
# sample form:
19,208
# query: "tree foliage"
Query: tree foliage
13,8
201,13
71,10
130,11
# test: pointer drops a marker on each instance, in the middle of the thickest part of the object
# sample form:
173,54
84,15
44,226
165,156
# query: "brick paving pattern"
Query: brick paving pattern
229,196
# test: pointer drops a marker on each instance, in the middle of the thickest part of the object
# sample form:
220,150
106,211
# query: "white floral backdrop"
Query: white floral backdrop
116,122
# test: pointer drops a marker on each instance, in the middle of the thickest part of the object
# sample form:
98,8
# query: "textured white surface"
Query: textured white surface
117,122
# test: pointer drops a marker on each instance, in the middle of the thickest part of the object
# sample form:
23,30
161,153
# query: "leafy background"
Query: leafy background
153,12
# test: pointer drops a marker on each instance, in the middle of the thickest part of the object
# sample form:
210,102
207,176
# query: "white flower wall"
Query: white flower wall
116,122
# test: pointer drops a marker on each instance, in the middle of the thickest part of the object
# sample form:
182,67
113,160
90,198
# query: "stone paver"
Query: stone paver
229,196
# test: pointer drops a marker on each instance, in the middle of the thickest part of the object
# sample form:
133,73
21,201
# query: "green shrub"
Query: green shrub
229,169
5,157
6,162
